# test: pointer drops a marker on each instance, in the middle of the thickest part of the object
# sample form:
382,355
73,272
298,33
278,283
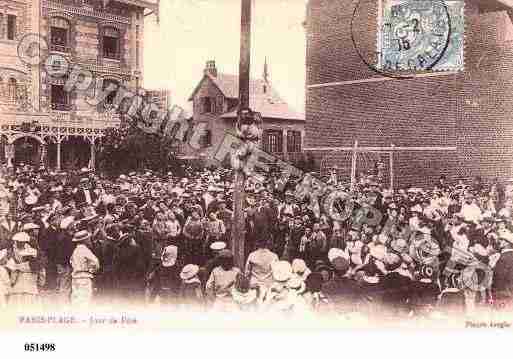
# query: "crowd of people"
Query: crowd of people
145,237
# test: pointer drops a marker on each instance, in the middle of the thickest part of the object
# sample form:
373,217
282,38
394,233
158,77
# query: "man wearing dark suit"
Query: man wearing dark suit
502,285
85,194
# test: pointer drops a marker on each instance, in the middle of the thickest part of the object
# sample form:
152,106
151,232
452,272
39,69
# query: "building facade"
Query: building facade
453,123
160,97
215,103
41,122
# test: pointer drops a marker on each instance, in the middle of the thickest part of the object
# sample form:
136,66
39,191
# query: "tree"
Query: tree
127,148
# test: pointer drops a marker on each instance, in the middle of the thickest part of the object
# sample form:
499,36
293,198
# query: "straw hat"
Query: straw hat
337,252
81,236
28,251
21,237
189,271
30,226
217,246
66,222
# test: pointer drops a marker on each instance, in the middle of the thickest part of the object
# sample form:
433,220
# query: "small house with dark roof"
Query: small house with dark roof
215,102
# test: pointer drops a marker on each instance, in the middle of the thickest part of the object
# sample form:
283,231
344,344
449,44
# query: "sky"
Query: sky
192,32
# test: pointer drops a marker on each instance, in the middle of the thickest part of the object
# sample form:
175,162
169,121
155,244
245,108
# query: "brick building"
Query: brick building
215,102
453,123
42,123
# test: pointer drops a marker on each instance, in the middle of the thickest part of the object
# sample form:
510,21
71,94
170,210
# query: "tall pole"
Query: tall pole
238,230
353,165
392,168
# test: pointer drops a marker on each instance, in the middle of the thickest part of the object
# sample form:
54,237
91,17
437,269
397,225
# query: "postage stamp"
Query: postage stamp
421,36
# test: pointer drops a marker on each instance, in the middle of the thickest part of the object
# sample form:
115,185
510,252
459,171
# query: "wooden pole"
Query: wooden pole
353,166
392,169
239,225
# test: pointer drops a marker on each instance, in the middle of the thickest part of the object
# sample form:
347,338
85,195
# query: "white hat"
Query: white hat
378,251
81,236
109,199
217,246
29,226
506,235
189,271
282,271
21,237
417,208
298,266
337,252
31,199
66,222
28,251
169,256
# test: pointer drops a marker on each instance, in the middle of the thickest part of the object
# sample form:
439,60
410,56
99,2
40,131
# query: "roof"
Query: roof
269,104
148,4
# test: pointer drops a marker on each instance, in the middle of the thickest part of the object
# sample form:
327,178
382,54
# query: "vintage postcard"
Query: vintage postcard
193,164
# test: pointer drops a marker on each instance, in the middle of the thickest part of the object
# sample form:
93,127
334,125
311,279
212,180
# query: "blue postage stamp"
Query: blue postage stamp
421,36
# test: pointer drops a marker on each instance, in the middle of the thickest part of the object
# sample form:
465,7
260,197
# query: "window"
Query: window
111,48
1,26
11,27
207,105
293,141
137,54
273,141
207,141
59,34
11,89
109,100
59,98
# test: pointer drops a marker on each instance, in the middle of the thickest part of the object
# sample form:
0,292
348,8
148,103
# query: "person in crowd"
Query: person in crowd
27,274
191,294
84,265
427,240
244,295
164,281
259,266
220,283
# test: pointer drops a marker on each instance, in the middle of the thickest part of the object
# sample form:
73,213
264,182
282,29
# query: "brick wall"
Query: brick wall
471,110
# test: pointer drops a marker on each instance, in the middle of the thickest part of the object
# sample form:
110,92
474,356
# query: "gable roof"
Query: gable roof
269,104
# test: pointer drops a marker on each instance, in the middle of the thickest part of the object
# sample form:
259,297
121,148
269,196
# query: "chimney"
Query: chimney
266,75
211,68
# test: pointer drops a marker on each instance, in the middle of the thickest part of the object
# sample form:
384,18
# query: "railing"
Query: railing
60,48
111,55
292,157
61,106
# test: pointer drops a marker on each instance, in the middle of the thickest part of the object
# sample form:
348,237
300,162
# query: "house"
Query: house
215,103
41,122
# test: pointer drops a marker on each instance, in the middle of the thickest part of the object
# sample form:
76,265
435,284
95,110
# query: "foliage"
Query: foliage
127,148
